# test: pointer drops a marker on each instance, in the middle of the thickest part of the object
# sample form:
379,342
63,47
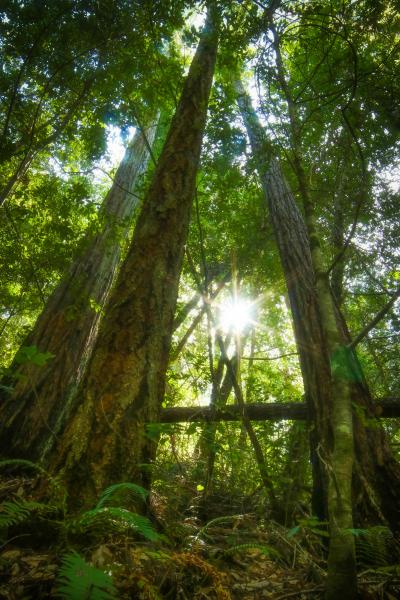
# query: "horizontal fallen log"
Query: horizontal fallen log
277,411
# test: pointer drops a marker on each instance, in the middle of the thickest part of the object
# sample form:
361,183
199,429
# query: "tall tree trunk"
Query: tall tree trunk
105,442
294,250
376,473
45,396
326,383
221,388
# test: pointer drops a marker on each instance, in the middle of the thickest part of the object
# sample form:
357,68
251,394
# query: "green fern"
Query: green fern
263,548
121,490
77,580
219,520
19,511
376,546
113,520
21,462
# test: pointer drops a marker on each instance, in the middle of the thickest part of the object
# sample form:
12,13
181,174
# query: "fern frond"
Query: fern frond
115,492
113,519
21,462
18,511
77,580
263,548
220,520
376,546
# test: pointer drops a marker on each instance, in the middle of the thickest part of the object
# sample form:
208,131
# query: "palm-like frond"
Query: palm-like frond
376,546
113,519
18,511
263,548
21,462
77,580
119,491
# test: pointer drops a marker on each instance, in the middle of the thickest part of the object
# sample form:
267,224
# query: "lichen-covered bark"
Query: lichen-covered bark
124,384
376,476
44,397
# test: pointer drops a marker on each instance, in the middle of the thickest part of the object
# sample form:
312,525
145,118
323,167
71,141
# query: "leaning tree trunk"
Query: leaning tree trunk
376,477
376,473
326,384
123,388
294,250
338,454
44,396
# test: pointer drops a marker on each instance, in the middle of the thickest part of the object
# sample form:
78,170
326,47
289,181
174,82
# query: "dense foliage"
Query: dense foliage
324,80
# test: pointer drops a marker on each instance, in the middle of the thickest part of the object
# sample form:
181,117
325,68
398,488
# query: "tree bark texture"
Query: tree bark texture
45,396
105,442
376,477
294,250
376,474
325,381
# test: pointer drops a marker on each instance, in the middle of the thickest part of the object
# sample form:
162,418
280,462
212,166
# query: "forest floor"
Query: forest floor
237,556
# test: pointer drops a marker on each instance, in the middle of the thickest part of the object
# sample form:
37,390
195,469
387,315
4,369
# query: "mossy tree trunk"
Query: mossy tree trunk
105,442
346,447
44,397
324,372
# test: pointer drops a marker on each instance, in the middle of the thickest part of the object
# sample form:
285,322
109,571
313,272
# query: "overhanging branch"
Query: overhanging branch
279,411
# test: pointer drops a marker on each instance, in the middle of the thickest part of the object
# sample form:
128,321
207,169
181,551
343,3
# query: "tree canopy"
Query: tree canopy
285,303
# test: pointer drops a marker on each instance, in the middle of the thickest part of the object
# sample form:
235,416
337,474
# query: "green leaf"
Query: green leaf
263,548
119,490
357,532
30,354
113,519
19,511
77,580
294,531
153,430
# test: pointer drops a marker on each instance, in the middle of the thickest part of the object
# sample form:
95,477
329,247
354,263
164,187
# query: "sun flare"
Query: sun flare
236,315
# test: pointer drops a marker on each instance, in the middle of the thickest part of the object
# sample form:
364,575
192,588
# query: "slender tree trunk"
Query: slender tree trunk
294,474
105,442
338,229
376,494
246,421
376,476
45,396
219,396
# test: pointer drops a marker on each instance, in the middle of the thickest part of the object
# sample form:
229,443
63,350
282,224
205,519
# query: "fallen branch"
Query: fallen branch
278,411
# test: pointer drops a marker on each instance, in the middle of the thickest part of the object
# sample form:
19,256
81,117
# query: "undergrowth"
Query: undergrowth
110,551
